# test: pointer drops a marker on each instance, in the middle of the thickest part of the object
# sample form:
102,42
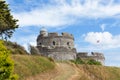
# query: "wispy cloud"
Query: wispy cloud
64,12
102,26
104,40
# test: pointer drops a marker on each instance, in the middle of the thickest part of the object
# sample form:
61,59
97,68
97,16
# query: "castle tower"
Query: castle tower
43,32
59,47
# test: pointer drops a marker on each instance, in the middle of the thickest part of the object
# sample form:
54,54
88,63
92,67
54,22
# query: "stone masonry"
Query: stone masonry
57,46
61,47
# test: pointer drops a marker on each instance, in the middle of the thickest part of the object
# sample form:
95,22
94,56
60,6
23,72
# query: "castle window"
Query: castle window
53,42
68,43
40,43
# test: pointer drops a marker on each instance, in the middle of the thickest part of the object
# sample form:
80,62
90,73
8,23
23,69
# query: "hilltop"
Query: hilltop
41,68
34,67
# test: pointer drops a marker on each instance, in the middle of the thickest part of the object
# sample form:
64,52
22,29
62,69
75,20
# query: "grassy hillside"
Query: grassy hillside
27,65
30,65
15,48
95,72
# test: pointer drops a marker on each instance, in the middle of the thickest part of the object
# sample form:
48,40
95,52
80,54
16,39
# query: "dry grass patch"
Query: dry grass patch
27,65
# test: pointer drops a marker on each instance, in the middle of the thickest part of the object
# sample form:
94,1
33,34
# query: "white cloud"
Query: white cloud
103,39
65,13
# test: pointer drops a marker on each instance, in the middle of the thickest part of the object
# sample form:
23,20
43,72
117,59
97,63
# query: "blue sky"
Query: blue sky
88,20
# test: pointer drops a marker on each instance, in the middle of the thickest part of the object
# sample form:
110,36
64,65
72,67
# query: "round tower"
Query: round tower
43,32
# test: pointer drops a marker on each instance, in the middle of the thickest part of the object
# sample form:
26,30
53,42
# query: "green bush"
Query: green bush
6,64
93,62
78,61
86,61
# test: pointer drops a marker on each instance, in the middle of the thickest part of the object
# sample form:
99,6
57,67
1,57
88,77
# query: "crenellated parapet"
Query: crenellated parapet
54,39
56,35
94,55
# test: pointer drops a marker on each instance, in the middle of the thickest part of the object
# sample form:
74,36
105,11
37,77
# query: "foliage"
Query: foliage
6,64
7,23
93,62
78,61
15,48
86,61
51,59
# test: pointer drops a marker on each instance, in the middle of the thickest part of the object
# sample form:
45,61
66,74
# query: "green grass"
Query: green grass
29,65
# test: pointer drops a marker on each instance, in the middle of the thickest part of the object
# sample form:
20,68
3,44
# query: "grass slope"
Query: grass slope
95,72
29,65
15,48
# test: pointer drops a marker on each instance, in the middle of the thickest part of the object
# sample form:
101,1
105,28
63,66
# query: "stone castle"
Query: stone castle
61,47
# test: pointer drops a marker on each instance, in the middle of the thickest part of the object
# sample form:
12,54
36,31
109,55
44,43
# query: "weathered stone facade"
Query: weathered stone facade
61,47
94,55
57,46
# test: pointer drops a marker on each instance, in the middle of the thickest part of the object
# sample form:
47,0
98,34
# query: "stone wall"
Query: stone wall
58,53
55,40
94,55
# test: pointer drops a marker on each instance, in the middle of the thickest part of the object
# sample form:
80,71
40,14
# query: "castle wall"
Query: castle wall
56,41
94,55
58,53
63,56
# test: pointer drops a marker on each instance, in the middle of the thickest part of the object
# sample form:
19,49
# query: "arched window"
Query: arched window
53,42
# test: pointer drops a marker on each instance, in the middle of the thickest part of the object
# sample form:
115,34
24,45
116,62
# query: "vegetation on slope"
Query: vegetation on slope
29,65
96,72
15,48
86,61
6,64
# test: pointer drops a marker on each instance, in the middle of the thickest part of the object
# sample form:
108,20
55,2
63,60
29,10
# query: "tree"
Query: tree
7,23
6,64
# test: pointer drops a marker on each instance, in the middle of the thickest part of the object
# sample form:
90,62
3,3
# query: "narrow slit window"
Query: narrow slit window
40,43
53,42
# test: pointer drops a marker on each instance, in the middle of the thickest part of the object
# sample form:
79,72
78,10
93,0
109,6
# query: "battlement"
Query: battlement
94,55
66,34
55,34
85,54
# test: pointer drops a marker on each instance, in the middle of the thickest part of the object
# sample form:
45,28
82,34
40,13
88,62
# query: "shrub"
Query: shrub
15,48
51,59
86,61
6,64
78,61
93,62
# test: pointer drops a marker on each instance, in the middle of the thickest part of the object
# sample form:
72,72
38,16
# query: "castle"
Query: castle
61,47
